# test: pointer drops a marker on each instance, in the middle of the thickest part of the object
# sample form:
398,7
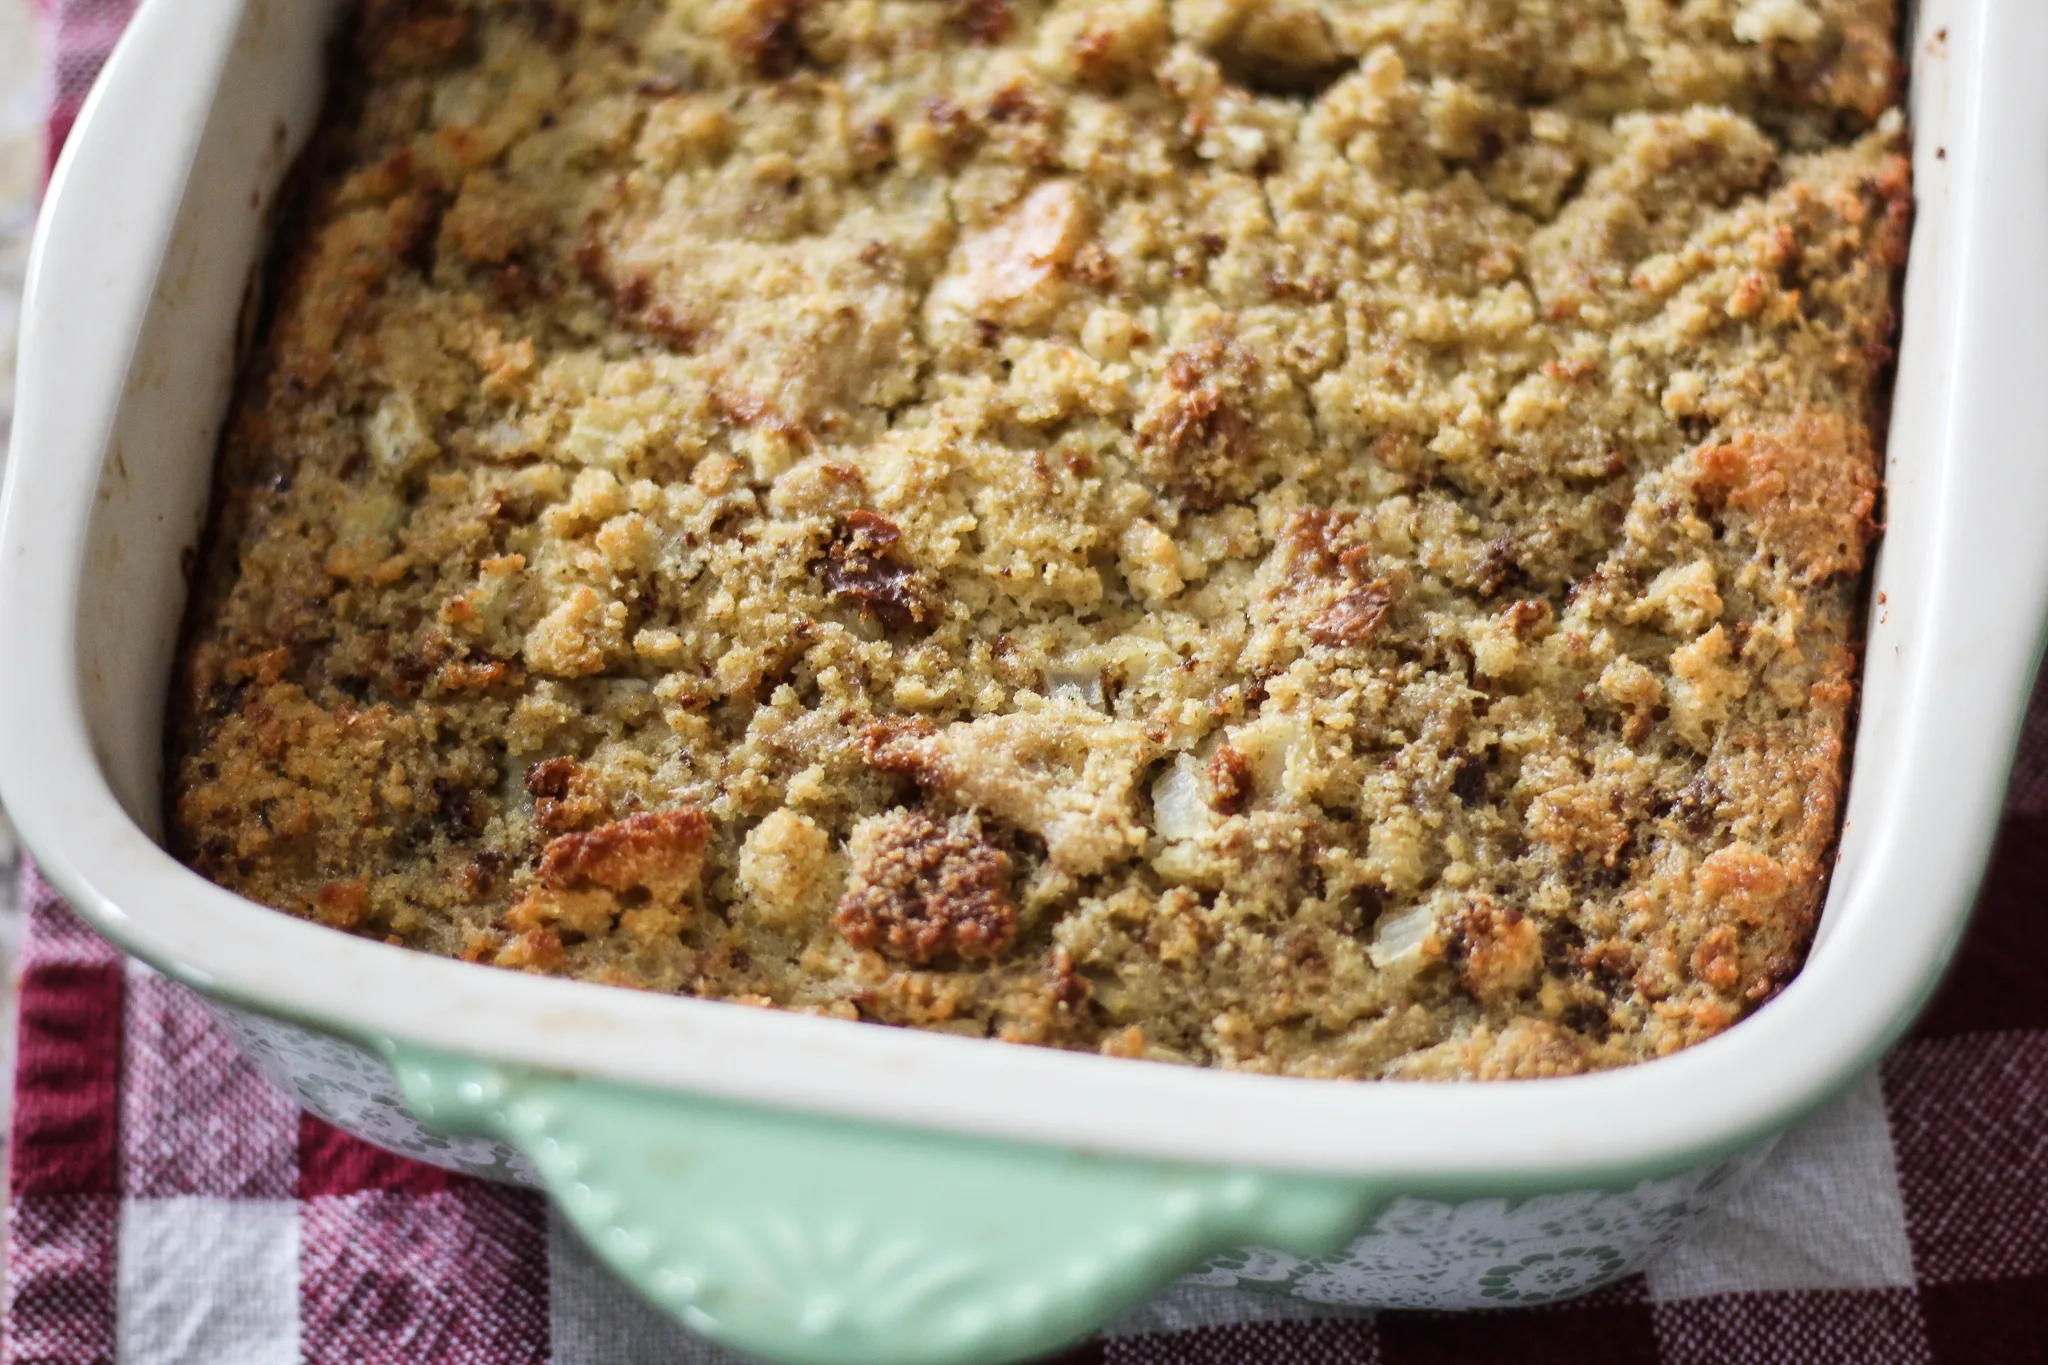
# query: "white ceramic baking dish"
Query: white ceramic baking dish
824,1191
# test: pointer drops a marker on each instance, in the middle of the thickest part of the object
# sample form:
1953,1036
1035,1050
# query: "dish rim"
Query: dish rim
1944,700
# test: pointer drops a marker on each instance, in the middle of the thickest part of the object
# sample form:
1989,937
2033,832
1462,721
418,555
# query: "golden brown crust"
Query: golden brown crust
657,852
1319,538
922,889
636,878
1192,435
1810,491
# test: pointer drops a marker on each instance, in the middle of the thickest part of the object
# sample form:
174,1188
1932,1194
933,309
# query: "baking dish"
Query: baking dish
814,1190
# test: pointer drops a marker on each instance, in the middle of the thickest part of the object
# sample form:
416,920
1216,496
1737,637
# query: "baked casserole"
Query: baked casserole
1321,538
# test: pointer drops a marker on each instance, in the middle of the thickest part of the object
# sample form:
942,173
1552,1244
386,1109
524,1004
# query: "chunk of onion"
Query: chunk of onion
1085,688
1401,938
1180,802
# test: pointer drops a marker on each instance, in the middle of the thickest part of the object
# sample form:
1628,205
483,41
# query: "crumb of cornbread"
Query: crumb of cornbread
1306,537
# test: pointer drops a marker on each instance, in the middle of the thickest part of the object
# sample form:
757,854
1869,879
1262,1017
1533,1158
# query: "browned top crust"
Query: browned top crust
919,889
659,853
1304,536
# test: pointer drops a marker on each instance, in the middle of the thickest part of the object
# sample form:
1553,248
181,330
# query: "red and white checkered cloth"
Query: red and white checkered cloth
80,34
169,1208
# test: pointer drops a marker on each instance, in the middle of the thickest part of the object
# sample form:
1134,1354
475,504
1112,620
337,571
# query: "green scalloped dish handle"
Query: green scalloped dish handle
815,1241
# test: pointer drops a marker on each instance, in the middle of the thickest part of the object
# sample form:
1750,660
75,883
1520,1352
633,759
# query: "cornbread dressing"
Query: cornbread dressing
1311,536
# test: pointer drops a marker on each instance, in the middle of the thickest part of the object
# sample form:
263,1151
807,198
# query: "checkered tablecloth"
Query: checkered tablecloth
167,1206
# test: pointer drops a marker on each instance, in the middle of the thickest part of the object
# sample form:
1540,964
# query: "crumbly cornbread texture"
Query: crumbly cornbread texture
1315,537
